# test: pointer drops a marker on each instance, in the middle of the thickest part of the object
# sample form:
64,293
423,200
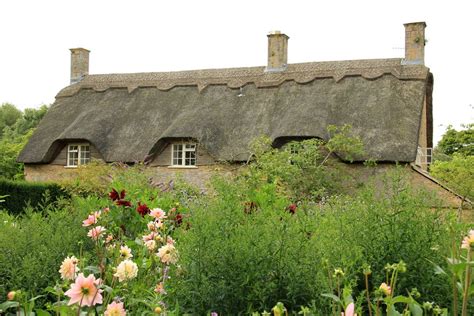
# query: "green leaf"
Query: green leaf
400,299
92,269
42,312
391,311
334,297
9,304
415,309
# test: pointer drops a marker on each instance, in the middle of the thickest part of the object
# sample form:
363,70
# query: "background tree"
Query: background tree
454,163
16,127
9,115
454,141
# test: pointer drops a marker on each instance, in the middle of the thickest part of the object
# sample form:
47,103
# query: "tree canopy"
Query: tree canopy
16,127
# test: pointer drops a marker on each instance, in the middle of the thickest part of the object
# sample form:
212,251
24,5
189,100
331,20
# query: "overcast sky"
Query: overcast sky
146,36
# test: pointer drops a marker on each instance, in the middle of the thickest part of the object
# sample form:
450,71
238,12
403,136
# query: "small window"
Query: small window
183,155
78,154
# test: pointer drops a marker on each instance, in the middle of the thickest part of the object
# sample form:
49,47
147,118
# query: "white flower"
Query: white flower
125,252
150,244
69,268
168,254
126,270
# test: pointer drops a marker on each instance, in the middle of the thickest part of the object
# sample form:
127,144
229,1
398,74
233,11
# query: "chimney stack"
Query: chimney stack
79,64
277,52
415,43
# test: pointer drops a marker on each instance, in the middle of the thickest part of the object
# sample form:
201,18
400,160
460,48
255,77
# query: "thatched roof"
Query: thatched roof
128,116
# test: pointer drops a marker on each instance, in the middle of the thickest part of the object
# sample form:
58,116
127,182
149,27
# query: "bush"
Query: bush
246,250
33,246
19,194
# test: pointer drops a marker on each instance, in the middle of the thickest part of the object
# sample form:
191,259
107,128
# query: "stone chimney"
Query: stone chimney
79,64
415,43
277,52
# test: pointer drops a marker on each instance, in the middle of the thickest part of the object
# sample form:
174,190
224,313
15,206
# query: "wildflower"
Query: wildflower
158,213
169,240
214,314
154,226
279,309
168,254
106,210
126,270
69,268
160,289
292,208
109,238
142,209
11,295
123,203
178,219
84,291
125,252
91,219
468,241
349,311
150,236
115,309
96,232
338,273
157,310
385,289
150,244
114,195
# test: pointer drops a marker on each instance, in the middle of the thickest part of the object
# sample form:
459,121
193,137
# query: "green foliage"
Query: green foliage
461,142
33,246
16,128
303,169
9,115
21,193
10,148
458,174
245,250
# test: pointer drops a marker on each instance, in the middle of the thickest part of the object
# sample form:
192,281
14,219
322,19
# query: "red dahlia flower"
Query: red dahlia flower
142,209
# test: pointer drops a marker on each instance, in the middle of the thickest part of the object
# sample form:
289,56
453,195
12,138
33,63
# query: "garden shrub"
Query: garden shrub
32,246
246,250
19,194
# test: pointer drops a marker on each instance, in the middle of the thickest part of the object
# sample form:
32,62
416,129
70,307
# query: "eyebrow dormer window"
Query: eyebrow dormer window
183,155
78,154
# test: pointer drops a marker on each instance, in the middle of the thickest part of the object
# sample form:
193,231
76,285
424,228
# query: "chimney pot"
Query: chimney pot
415,43
277,52
79,64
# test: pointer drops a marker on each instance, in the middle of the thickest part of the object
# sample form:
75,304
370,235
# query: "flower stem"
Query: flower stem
369,307
467,284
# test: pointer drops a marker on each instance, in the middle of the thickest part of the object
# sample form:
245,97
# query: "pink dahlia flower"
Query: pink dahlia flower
84,291
115,309
96,232
158,213
350,310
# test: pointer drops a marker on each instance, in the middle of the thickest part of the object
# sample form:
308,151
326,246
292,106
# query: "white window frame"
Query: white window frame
186,147
80,149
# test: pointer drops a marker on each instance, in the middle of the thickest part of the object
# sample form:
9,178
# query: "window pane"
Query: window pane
73,155
85,154
177,154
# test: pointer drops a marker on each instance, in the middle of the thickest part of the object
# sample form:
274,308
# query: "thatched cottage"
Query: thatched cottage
189,121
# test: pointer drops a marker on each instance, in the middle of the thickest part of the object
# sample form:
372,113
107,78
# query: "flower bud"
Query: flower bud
158,310
11,295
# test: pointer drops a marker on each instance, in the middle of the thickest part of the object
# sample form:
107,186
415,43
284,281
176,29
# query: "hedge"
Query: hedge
21,193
